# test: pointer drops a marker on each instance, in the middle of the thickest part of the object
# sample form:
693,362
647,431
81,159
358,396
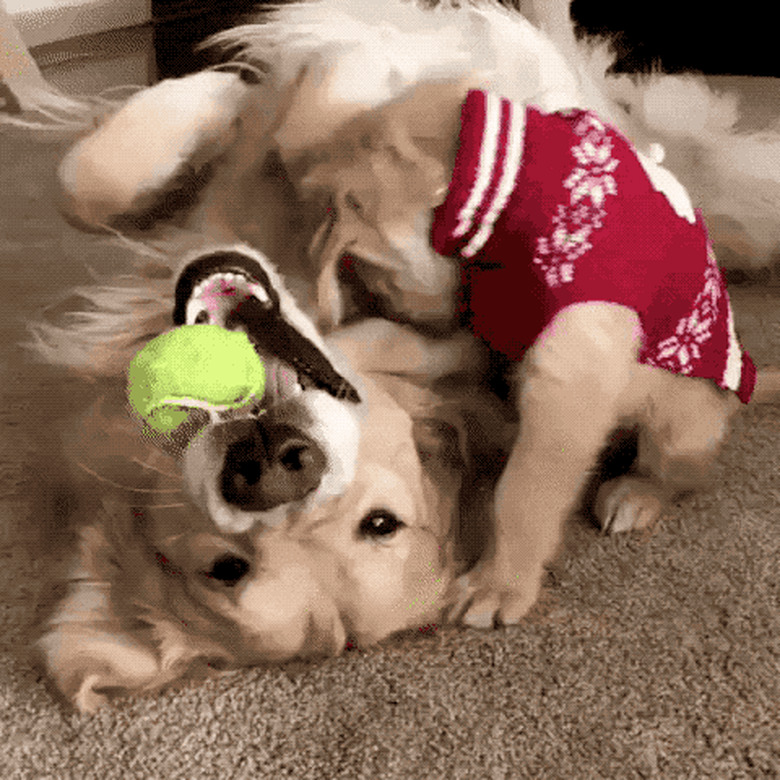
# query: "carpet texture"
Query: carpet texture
654,655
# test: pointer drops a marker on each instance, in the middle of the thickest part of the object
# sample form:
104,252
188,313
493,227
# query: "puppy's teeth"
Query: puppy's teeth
259,293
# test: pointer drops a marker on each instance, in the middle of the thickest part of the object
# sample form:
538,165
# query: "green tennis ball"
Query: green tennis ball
203,366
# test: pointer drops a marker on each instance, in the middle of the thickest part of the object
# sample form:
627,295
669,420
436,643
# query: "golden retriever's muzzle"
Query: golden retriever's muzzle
270,464
252,470
297,441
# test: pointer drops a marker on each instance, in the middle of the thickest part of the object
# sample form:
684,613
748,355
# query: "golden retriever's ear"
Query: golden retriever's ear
114,632
472,434
89,664
85,647
91,659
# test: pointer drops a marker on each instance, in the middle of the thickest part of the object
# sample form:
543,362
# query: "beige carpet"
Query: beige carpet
659,655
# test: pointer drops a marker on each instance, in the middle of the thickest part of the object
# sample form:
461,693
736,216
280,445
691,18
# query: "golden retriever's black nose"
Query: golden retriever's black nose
276,464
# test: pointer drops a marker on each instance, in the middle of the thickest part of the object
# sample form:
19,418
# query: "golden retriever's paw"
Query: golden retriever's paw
482,598
628,503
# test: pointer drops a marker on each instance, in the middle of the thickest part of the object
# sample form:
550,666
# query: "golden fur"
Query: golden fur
145,600
337,150
580,381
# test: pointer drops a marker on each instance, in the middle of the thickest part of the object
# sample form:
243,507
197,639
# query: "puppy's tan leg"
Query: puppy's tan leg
683,422
572,394
381,346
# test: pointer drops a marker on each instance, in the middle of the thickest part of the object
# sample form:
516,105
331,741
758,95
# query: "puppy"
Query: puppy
585,263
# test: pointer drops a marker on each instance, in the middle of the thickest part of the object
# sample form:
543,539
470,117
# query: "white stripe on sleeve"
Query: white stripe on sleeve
733,373
506,185
487,159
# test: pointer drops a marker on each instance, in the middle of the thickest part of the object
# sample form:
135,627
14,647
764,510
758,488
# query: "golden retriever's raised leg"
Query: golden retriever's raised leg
682,426
574,383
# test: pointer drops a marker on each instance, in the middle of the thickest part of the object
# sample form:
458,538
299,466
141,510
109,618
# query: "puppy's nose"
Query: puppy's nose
276,464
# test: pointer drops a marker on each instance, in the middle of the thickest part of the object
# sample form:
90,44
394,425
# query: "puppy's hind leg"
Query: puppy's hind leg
683,422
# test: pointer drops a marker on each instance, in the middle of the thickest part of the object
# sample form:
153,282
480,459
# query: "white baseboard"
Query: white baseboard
87,46
91,64
46,21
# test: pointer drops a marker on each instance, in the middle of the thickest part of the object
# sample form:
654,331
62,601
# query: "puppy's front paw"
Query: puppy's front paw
488,596
628,503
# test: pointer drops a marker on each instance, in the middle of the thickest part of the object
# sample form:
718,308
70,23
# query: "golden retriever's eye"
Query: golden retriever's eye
228,570
379,523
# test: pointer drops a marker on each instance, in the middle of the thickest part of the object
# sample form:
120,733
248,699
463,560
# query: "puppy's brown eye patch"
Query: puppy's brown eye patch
379,523
228,570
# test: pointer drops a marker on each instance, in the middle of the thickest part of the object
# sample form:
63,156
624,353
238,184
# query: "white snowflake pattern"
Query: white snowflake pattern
679,351
589,184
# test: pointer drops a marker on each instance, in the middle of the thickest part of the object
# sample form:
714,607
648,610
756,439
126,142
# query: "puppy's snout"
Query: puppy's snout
274,465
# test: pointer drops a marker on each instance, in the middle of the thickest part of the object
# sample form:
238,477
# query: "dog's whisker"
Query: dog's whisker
157,470
173,538
119,485
320,237
144,249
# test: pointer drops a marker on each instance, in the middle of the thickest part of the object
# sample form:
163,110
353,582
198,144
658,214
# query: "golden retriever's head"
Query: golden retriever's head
322,521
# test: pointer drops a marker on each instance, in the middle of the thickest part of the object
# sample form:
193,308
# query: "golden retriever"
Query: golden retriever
340,153
327,520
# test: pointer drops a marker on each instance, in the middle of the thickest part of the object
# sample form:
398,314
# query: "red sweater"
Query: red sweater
548,210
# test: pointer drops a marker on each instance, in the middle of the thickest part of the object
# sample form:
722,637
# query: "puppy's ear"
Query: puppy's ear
157,147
